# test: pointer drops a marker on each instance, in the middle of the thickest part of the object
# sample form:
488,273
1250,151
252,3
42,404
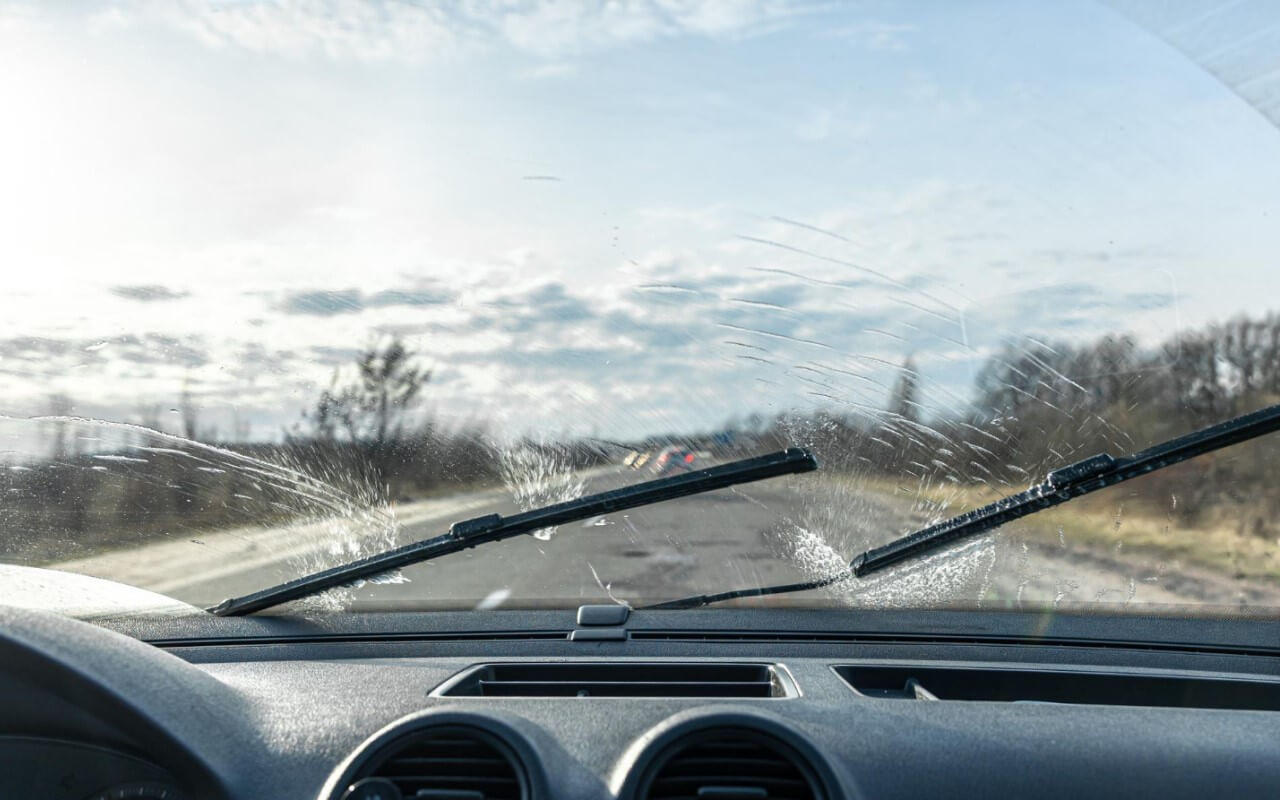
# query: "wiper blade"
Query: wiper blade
495,527
1069,482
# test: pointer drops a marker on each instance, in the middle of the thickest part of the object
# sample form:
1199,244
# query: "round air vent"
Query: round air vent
729,764
442,762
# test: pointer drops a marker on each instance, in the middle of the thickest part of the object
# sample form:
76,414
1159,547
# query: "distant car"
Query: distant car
674,459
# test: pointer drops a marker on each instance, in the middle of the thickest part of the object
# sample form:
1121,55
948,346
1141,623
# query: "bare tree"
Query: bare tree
370,410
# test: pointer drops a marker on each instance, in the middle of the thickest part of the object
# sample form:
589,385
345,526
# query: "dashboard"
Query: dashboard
53,769
722,704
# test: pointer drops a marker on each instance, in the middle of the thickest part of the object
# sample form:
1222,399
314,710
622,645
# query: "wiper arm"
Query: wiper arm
1076,480
495,527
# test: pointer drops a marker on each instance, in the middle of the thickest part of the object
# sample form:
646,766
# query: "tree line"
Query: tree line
365,442
1035,406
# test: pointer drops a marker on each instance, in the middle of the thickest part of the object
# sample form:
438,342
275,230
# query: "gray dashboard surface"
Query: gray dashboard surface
878,748
276,718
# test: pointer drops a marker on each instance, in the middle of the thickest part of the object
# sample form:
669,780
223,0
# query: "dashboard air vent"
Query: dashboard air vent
450,762
729,764
620,679
1093,686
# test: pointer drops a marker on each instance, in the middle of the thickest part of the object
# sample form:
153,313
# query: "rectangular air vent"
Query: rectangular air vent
1062,686
620,679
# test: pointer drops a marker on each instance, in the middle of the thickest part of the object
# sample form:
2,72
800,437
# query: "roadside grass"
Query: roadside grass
1234,538
44,534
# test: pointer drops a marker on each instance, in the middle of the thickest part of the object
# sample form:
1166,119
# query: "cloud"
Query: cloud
332,356
835,123
1147,300
549,71
533,354
651,335
549,304
876,35
254,356
322,303
552,28
21,18
411,297
159,349
560,358
145,348
339,30
330,302
781,295
148,293
35,348
389,31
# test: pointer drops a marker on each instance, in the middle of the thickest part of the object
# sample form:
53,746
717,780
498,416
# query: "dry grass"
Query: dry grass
1235,538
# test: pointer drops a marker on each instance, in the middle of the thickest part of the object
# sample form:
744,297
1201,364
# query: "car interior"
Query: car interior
639,399
728,703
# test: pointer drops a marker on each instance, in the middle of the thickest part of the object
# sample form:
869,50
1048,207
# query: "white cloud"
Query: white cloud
569,26
20,18
877,35
555,69
838,124
335,29
250,185
386,31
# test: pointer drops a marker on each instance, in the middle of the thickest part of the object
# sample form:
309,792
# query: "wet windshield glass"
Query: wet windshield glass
292,284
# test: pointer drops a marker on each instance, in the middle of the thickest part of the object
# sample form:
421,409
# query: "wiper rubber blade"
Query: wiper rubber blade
1067,483
495,527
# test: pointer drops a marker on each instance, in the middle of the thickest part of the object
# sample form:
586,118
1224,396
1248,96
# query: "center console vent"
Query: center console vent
620,679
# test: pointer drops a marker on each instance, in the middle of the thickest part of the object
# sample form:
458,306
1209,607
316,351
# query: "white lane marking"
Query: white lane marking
493,599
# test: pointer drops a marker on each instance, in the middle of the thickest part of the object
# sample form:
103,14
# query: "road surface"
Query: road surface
778,531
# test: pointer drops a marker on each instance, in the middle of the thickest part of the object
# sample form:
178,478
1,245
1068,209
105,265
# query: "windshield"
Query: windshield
291,284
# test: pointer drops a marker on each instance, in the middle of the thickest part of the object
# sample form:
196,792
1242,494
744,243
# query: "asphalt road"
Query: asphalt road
723,539
778,531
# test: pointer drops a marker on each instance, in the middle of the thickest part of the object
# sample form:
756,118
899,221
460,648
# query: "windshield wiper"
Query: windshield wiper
495,527
1069,482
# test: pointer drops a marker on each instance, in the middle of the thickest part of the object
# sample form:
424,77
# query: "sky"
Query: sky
615,219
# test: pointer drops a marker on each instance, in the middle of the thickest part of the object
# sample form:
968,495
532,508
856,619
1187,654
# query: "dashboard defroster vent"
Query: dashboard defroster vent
620,679
450,762
1043,685
729,764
